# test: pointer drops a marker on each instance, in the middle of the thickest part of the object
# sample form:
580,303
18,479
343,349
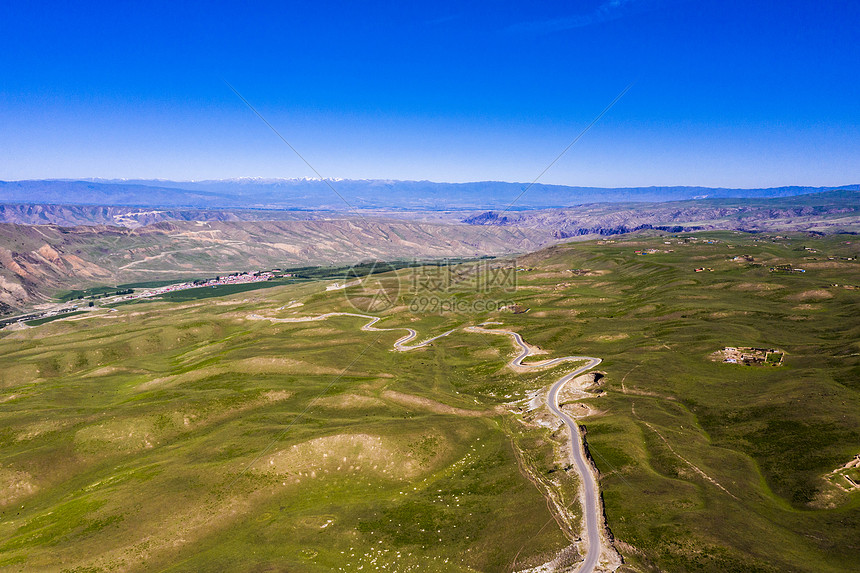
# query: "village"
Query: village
748,356
125,295
233,279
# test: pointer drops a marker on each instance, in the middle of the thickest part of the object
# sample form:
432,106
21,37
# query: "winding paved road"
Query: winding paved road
589,490
589,487
591,511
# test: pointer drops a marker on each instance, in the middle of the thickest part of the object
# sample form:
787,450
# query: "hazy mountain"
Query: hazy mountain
113,244
361,194
827,212
133,217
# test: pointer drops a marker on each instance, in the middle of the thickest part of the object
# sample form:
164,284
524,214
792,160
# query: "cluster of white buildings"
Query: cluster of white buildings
218,281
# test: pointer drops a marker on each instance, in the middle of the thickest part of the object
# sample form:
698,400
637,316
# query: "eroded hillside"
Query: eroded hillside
36,261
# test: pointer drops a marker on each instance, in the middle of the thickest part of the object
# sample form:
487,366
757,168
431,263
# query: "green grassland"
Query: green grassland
183,436
220,290
767,435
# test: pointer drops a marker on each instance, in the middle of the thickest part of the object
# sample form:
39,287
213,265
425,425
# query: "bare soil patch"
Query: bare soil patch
428,404
273,365
753,287
343,454
14,485
18,374
486,353
610,337
807,306
127,435
815,294
350,401
321,331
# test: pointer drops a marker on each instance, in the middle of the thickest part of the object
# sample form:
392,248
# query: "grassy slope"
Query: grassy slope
126,435
765,434
126,471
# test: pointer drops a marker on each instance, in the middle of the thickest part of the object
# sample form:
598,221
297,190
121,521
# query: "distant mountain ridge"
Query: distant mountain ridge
315,194
835,211
85,245
134,217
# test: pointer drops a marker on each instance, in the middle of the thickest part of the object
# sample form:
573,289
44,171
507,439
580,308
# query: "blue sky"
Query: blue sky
740,94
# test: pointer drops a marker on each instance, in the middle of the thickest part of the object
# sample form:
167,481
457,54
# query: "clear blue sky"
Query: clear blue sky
727,93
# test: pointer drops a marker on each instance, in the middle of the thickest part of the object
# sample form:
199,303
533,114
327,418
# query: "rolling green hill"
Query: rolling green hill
191,436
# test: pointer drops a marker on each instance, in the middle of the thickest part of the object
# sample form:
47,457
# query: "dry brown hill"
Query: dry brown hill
37,261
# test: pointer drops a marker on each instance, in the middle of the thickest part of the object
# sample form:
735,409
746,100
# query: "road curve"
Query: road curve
590,508
591,511
399,345
589,493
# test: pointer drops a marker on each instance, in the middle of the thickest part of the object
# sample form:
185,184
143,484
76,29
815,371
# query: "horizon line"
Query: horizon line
388,180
